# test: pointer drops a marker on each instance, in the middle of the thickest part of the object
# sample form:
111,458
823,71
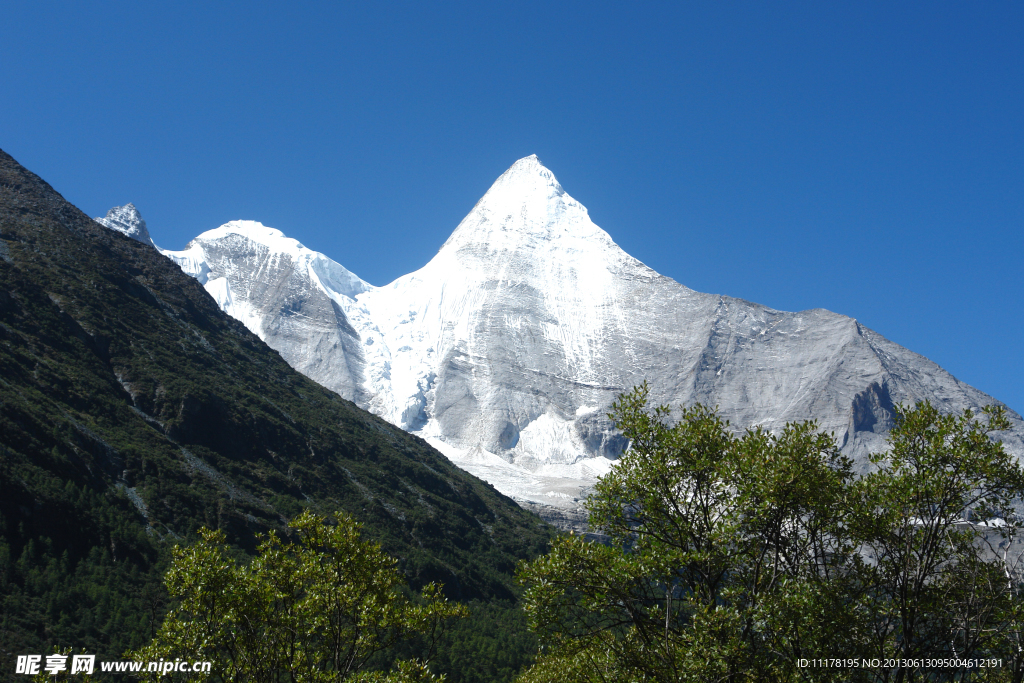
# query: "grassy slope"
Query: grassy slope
133,411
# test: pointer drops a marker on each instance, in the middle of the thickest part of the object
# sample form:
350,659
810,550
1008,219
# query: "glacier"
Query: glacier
506,350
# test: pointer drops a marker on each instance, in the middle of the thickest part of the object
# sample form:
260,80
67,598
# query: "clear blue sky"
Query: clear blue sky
862,157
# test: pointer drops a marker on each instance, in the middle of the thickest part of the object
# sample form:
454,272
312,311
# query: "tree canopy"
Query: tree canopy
314,610
762,557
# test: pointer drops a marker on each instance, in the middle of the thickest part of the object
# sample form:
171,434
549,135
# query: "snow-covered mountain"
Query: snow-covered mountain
127,221
295,299
506,350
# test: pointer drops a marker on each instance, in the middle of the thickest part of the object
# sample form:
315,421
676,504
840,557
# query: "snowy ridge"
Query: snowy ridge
297,300
506,350
330,275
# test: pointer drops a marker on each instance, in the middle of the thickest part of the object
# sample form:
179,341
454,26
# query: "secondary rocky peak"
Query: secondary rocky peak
211,257
128,221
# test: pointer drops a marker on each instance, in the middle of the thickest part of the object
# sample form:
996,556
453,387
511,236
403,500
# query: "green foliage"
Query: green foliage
91,579
313,610
935,583
492,644
731,558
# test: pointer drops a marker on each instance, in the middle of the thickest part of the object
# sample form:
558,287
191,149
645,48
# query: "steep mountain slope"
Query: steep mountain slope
506,350
133,410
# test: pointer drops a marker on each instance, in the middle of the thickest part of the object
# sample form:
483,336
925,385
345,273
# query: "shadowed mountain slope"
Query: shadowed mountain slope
133,411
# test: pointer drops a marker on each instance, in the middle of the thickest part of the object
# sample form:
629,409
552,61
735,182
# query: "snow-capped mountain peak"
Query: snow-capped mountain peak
527,211
257,232
527,176
526,268
506,349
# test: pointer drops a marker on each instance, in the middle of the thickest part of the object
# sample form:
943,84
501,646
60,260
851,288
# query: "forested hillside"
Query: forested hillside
133,412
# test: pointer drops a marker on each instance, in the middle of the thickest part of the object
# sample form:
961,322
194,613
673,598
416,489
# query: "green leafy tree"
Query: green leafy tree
318,609
931,519
720,547
731,558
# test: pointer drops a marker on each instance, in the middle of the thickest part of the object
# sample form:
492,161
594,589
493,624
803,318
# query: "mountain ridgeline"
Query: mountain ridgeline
133,411
507,349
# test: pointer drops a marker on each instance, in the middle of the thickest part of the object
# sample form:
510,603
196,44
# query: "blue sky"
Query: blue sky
862,157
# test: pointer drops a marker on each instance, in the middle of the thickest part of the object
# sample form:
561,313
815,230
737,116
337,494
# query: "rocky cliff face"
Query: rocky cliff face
506,350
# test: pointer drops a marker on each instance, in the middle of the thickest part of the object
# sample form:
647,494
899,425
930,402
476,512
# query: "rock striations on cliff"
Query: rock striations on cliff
506,350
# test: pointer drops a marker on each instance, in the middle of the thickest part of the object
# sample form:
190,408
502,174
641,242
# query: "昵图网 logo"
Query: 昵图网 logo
31,665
